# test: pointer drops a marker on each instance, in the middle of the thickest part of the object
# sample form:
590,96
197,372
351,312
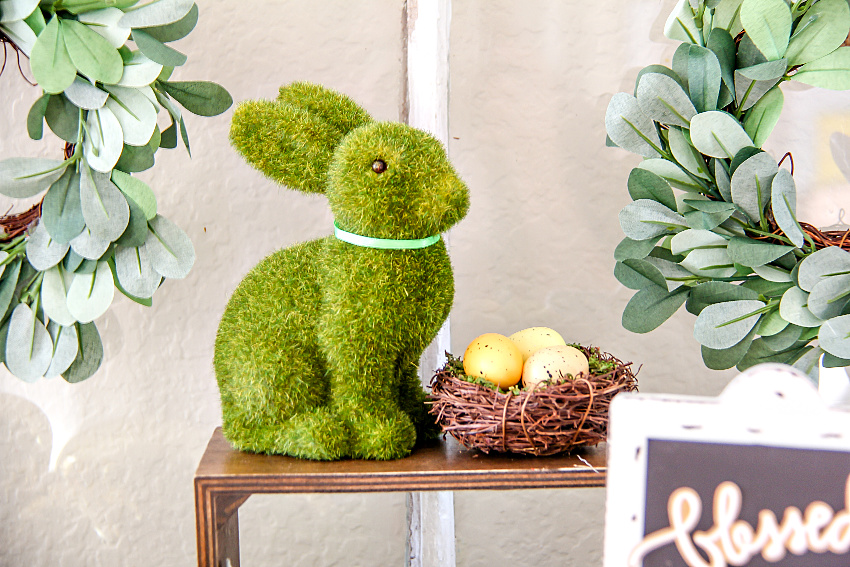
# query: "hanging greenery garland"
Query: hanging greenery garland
104,69
713,223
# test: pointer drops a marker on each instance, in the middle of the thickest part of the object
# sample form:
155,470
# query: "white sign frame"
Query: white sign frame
753,410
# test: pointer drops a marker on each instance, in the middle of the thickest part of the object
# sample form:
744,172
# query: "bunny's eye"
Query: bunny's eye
379,166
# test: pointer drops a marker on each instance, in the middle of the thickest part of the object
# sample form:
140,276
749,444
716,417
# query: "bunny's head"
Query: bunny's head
382,179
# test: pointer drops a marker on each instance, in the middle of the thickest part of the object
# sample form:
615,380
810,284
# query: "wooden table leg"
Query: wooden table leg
217,526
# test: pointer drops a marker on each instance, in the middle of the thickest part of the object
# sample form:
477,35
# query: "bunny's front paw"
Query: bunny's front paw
381,437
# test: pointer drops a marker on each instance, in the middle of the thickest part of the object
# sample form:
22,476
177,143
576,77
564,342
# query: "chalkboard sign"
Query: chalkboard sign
759,476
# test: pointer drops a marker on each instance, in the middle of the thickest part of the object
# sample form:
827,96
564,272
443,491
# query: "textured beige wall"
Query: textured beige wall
529,85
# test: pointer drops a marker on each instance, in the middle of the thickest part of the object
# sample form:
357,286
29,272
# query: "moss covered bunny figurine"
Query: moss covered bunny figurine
317,351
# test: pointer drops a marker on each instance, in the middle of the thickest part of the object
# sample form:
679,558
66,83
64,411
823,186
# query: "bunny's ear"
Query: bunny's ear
292,140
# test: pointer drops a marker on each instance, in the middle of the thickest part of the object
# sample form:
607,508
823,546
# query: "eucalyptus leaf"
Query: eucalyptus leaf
751,184
750,87
834,336
88,245
673,273
760,353
139,71
763,116
821,30
203,98
21,34
829,296
50,62
90,295
772,273
772,324
135,271
784,339
29,348
156,13
134,112
727,16
105,22
723,359
708,220
646,218
105,140
89,356
177,30
685,154
8,284
743,155
85,95
767,288
35,117
831,361
704,78
63,117
54,295
657,69
680,25
680,63
134,159
21,178
170,251
651,306
794,308
829,72
137,229
60,210
709,293
723,325
691,239
808,364
42,251
723,180
784,205
709,263
718,134
157,51
11,10
65,348
630,128
768,23
662,99
90,53
644,184
723,46
104,207
749,252
637,249
637,274
667,170
748,54
826,262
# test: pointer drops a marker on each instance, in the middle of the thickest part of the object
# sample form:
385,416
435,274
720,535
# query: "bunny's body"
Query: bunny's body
317,350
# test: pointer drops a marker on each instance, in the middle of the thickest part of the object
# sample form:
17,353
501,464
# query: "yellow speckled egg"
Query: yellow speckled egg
533,339
494,357
551,363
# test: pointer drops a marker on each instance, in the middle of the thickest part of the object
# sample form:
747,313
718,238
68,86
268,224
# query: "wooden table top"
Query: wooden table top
445,465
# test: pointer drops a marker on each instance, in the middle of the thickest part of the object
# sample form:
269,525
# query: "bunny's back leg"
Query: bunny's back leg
271,374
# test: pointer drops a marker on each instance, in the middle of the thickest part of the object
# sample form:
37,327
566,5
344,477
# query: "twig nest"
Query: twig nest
560,417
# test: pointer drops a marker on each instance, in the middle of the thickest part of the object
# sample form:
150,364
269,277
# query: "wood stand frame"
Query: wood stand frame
226,478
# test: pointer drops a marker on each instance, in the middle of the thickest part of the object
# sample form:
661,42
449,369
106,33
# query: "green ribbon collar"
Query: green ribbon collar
384,243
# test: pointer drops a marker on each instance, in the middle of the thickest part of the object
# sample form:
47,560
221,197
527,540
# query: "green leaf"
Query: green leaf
105,23
768,288
657,69
157,51
743,155
704,78
829,296
170,251
35,117
137,190
680,25
752,83
169,137
90,53
105,140
671,173
760,353
723,46
82,6
691,239
707,217
177,30
784,205
89,246
723,359
137,229
104,207
201,97
651,306
723,325
90,295
29,348
184,135
135,272
54,295
724,181
718,134
21,178
834,336
637,249
644,184
11,10
784,339
639,274
646,218
768,23
89,356
772,273
8,283
630,128
85,95
139,71
751,184
831,361
50,62
727,16
60,211
749,252
662,99
63,117
685,153
156,13
42,251
772,324
709,263
829,72
794,308
135,113
709,293
821,30
826,262
134,159
147,302
65,348
763,116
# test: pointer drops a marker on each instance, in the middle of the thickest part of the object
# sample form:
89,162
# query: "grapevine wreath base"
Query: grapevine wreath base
546,421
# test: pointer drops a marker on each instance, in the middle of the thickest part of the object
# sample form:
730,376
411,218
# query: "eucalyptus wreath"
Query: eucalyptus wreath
713,221
104,69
